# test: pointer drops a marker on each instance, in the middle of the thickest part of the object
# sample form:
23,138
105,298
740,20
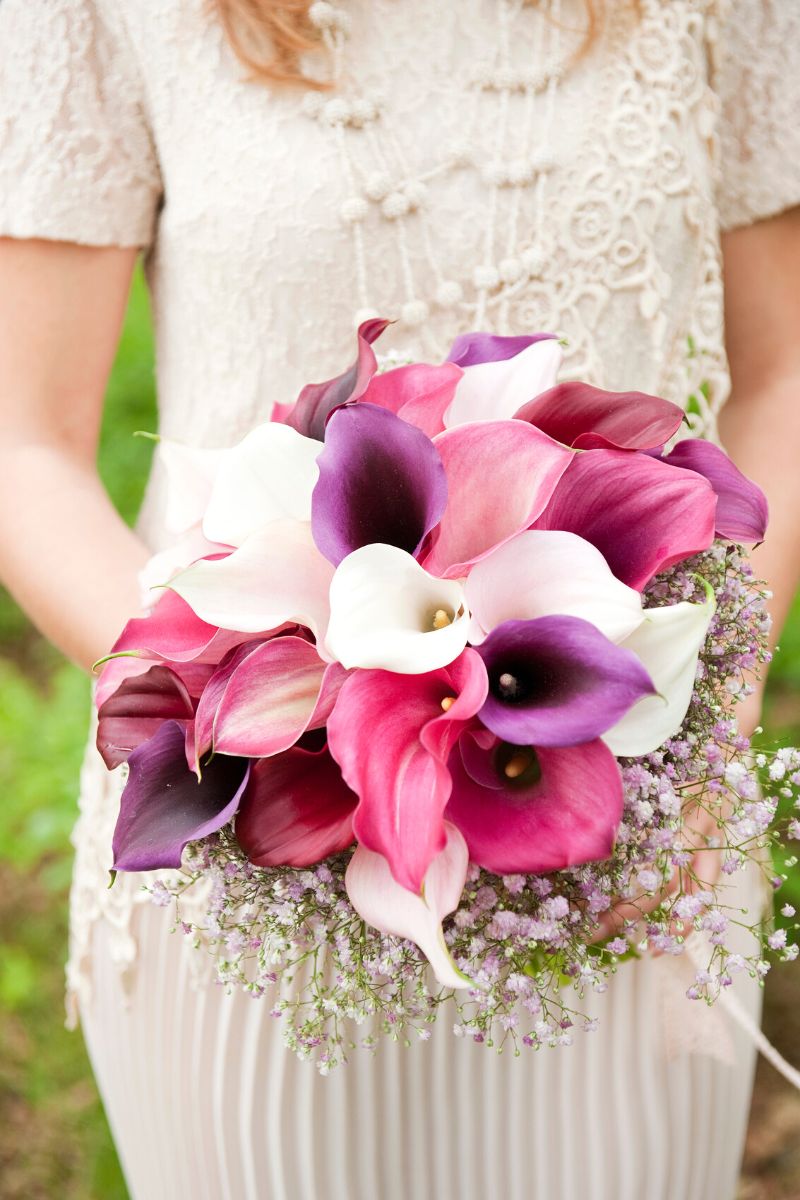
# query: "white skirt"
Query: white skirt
205,1103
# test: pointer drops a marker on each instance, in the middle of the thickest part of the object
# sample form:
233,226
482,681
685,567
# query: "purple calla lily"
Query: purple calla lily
164,806
742,512
524,809
317,401
469,349
588,418
381,480
557,681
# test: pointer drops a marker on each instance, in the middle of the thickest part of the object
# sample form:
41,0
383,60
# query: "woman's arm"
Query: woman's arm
65,554
760,424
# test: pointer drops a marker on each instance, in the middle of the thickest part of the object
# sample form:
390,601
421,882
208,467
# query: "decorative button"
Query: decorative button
336,111
511,270
355,208
486,276
395,205
414,312
449,293
519,172
415,192
377,185
533,261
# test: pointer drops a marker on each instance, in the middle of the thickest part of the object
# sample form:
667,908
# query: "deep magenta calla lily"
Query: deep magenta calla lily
589,418
640,513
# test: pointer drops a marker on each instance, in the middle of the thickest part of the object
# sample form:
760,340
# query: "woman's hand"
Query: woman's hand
65,554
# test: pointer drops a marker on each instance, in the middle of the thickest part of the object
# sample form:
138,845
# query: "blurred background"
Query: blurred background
54,1140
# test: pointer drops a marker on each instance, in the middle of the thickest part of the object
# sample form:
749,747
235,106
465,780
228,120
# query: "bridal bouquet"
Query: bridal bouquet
446,676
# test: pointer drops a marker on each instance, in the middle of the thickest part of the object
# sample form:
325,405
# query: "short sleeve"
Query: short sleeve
77,160
757,79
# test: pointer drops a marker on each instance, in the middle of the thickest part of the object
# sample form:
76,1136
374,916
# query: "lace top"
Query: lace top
472,167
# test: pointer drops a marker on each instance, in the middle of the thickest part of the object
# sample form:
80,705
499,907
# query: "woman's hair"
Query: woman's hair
270,36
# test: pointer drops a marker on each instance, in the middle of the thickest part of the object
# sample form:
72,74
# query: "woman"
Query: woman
487,164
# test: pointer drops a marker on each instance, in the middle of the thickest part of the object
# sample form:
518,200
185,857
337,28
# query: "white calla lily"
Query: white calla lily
668,641
387,612
540,574
190,473
270,475
494,391
277,575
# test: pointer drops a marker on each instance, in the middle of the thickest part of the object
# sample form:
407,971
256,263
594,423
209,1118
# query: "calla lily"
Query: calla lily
264,698
642,514
419,393
542,573
557,681
668,643
277,575
270,475
316,402
589,418
390,908
142,702
387,612
295,810
403,789
500,477
742,512
380,480
470,349
164,806
496,390
522,809
190,474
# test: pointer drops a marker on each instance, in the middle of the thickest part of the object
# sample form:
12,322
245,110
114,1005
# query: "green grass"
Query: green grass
53,1137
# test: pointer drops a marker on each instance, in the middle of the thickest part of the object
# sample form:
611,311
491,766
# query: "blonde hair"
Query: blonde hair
270,36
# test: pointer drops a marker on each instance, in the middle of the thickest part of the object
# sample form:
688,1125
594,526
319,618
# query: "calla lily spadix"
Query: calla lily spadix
387,612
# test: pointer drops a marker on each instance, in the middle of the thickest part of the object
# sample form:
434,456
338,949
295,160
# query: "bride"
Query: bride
621,173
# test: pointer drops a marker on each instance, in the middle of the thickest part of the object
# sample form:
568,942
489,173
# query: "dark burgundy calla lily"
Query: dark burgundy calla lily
742,512
164,806
317,401
142,703
557,681
526,809
469,349
380,480
588,418
642,514
296,809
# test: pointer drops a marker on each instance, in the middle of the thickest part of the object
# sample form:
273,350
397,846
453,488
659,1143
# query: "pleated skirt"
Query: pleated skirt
205,1103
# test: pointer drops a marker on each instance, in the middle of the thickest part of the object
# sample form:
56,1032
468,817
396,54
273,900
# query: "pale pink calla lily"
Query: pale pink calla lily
641,514
403,789
496,390
390,908
500,477
190,473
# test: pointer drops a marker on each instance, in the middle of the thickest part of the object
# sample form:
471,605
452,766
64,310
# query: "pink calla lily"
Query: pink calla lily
264,697
403,790
500,477
641,514
525,809
296,809
419,393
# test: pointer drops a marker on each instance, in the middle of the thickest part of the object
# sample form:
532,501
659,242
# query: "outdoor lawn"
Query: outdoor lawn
54,1141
